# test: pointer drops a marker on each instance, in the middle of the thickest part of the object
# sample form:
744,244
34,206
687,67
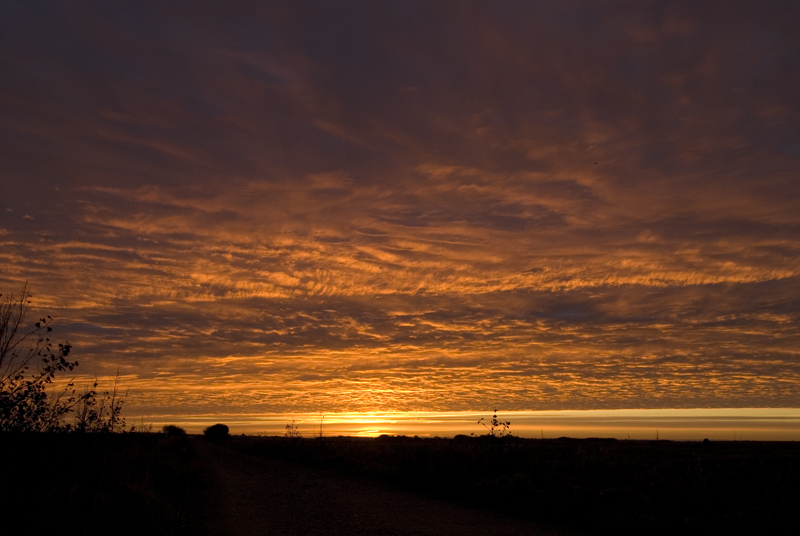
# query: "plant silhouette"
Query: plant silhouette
495,427
292,430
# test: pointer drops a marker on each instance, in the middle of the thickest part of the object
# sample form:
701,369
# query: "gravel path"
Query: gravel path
259,496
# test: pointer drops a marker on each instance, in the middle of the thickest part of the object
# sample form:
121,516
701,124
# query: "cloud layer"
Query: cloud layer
410,206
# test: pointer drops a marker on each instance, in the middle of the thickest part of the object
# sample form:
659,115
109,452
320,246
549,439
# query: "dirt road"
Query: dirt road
258,496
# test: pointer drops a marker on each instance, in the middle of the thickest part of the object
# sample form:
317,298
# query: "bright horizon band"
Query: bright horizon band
303,207
723,424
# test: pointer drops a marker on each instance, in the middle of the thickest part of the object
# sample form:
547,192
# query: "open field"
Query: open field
93,484
589,485
151,484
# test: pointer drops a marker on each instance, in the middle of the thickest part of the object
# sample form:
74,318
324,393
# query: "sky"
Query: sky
278,207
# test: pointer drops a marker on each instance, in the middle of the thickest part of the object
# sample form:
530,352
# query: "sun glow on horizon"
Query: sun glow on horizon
551,205
779,424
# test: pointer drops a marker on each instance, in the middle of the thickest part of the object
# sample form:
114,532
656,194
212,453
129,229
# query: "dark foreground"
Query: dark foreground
151,484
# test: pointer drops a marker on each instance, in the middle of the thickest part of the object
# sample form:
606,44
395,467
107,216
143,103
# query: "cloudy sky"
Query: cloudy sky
395,206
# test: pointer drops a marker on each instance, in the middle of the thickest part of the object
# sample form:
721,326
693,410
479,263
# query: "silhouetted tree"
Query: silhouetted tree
29,362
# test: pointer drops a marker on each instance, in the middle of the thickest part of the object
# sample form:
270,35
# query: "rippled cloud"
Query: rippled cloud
410,206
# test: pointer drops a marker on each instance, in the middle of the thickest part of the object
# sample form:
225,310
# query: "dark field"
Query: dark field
105,484
151,484
590,485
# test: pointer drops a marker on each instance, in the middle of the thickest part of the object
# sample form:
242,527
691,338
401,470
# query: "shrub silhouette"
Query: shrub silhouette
216,431
170,430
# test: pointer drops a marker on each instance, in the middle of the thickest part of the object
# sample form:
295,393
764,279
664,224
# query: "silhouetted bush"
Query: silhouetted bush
216,431
170,430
